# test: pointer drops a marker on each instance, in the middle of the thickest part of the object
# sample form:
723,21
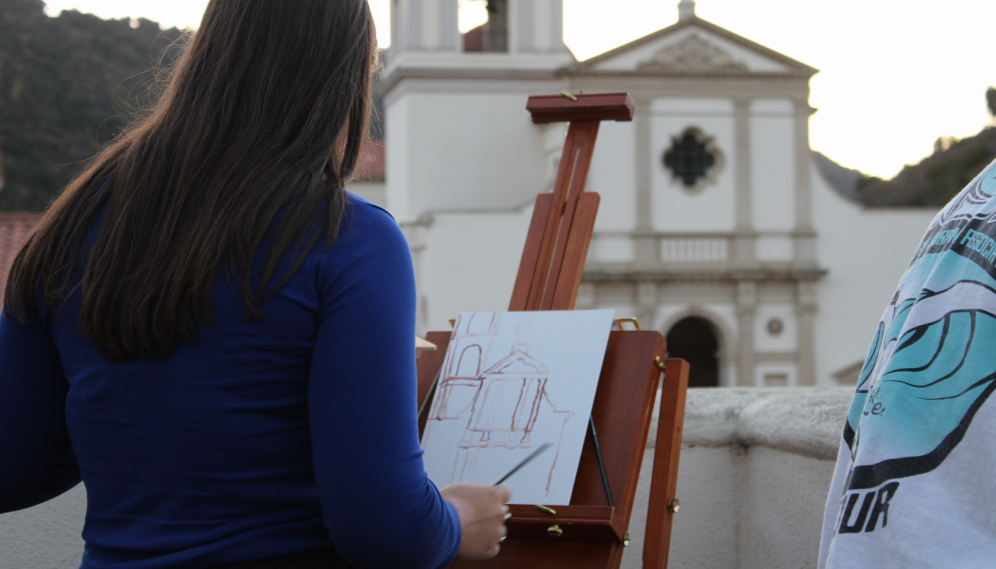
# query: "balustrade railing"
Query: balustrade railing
694,248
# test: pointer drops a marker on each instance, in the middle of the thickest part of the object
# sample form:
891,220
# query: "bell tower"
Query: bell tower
513,27
457,133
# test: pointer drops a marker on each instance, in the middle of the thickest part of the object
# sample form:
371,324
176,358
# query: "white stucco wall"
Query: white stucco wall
753,479
397,158
866,252
464,165
613,176
674,208
785,341
772,138
466,262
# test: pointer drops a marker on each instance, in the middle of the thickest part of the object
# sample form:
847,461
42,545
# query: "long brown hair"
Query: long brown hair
249,146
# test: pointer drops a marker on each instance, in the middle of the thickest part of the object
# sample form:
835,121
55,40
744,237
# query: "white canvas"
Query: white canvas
510,382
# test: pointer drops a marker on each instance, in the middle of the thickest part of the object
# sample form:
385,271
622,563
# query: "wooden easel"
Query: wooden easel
588,533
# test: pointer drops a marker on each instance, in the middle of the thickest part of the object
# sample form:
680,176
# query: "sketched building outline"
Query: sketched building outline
500,405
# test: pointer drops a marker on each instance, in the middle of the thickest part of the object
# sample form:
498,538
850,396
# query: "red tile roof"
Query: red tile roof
14,229
370,163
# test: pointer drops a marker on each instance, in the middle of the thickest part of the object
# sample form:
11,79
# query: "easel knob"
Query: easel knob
546,509
673,506
555,531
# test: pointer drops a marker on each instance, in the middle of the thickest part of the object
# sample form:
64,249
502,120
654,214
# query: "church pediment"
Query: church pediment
693,54
692,47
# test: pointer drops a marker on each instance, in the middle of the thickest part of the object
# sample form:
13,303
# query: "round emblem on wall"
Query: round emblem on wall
775,326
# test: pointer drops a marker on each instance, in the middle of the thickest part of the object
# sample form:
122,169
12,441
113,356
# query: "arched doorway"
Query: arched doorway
694,339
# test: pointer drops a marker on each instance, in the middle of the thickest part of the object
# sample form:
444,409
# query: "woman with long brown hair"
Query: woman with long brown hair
214,336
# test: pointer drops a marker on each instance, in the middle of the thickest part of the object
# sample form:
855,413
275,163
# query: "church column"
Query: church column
449,28
540,26
646,303
555,27
804,237
743,239
425,25
805,317
746,310
523,12
437,24
411,28
396,20
646,246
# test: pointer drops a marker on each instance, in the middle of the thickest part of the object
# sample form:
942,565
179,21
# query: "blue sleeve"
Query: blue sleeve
380,508
37,462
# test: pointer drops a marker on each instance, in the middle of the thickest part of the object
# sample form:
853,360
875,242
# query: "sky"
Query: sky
894,74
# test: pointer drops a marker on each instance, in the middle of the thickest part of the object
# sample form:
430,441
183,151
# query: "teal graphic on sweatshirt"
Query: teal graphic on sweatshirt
932,364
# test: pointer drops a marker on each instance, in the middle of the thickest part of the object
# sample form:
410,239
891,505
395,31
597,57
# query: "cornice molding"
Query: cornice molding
456,65
726,275
683,73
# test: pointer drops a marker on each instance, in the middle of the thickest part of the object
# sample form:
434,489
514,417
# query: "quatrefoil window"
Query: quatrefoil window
692,159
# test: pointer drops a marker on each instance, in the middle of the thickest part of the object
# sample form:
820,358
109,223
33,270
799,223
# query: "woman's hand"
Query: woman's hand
482,513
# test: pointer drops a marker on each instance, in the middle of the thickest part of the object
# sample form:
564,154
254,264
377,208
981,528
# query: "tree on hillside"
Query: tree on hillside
991,101
67,86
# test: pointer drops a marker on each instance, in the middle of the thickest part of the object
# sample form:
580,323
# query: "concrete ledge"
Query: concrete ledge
807,421
47,536
755,469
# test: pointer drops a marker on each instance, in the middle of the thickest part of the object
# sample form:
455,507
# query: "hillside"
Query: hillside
935,179
67,86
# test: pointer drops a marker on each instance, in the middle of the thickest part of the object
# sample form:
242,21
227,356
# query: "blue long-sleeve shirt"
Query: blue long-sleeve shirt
265,438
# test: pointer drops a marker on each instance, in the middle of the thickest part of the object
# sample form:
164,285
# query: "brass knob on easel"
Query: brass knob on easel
555,531
626,539
673,506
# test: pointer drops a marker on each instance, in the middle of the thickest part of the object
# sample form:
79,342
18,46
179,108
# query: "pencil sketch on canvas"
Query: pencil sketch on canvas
509,383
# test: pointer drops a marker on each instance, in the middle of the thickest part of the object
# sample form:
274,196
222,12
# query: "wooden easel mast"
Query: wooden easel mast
560,232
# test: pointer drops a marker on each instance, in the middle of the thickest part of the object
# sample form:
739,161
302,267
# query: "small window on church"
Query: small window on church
692,159
484,24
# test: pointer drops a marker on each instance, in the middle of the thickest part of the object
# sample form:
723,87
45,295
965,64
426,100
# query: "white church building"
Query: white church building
715,226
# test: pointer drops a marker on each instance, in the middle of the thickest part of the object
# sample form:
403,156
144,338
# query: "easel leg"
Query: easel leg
664,481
